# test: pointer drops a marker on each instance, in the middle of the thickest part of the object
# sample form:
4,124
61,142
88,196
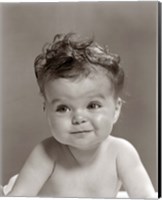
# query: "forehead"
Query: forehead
98,85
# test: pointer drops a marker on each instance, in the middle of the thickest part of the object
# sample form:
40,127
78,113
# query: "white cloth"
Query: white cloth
7,188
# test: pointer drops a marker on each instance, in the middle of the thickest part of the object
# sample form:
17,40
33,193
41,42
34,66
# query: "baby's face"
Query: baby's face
81,113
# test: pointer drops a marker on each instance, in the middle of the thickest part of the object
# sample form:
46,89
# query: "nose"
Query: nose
78,119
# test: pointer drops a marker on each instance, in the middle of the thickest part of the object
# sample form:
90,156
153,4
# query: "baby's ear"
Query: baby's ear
117,109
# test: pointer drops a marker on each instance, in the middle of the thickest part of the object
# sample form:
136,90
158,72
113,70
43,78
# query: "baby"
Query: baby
81,84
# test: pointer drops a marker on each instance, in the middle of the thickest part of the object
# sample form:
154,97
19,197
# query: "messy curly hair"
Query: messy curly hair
69,57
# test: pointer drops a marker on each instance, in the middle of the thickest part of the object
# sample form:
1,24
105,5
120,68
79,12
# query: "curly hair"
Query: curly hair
67,57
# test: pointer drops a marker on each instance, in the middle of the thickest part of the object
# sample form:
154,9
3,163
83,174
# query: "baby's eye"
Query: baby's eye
94,105
62,109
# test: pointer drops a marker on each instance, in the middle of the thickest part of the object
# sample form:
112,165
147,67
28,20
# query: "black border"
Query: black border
159,99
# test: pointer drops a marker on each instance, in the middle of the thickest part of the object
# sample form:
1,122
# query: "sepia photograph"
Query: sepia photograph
79,100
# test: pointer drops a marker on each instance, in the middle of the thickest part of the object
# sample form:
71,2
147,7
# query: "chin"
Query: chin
85,146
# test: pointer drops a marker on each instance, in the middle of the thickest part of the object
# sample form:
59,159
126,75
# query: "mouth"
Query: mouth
80,132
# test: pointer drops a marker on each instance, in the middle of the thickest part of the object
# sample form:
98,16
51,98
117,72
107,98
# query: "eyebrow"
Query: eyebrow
56,100
97,96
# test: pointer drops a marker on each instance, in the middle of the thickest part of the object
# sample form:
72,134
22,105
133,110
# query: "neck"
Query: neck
86,157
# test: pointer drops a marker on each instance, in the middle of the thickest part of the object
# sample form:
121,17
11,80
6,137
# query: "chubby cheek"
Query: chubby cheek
58,125
103,122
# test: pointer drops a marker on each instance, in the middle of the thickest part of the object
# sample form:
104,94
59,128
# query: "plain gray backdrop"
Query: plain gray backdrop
128,28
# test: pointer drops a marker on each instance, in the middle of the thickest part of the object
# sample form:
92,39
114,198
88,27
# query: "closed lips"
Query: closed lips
76,132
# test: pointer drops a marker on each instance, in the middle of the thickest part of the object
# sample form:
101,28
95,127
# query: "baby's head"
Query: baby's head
70,58
80,82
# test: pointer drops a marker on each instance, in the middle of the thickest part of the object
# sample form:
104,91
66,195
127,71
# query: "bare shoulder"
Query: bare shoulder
126,153
131,170
122,146
43,153
48,148
36,170
127,156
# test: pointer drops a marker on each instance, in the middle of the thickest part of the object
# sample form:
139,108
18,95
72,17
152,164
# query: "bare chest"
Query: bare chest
69,180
